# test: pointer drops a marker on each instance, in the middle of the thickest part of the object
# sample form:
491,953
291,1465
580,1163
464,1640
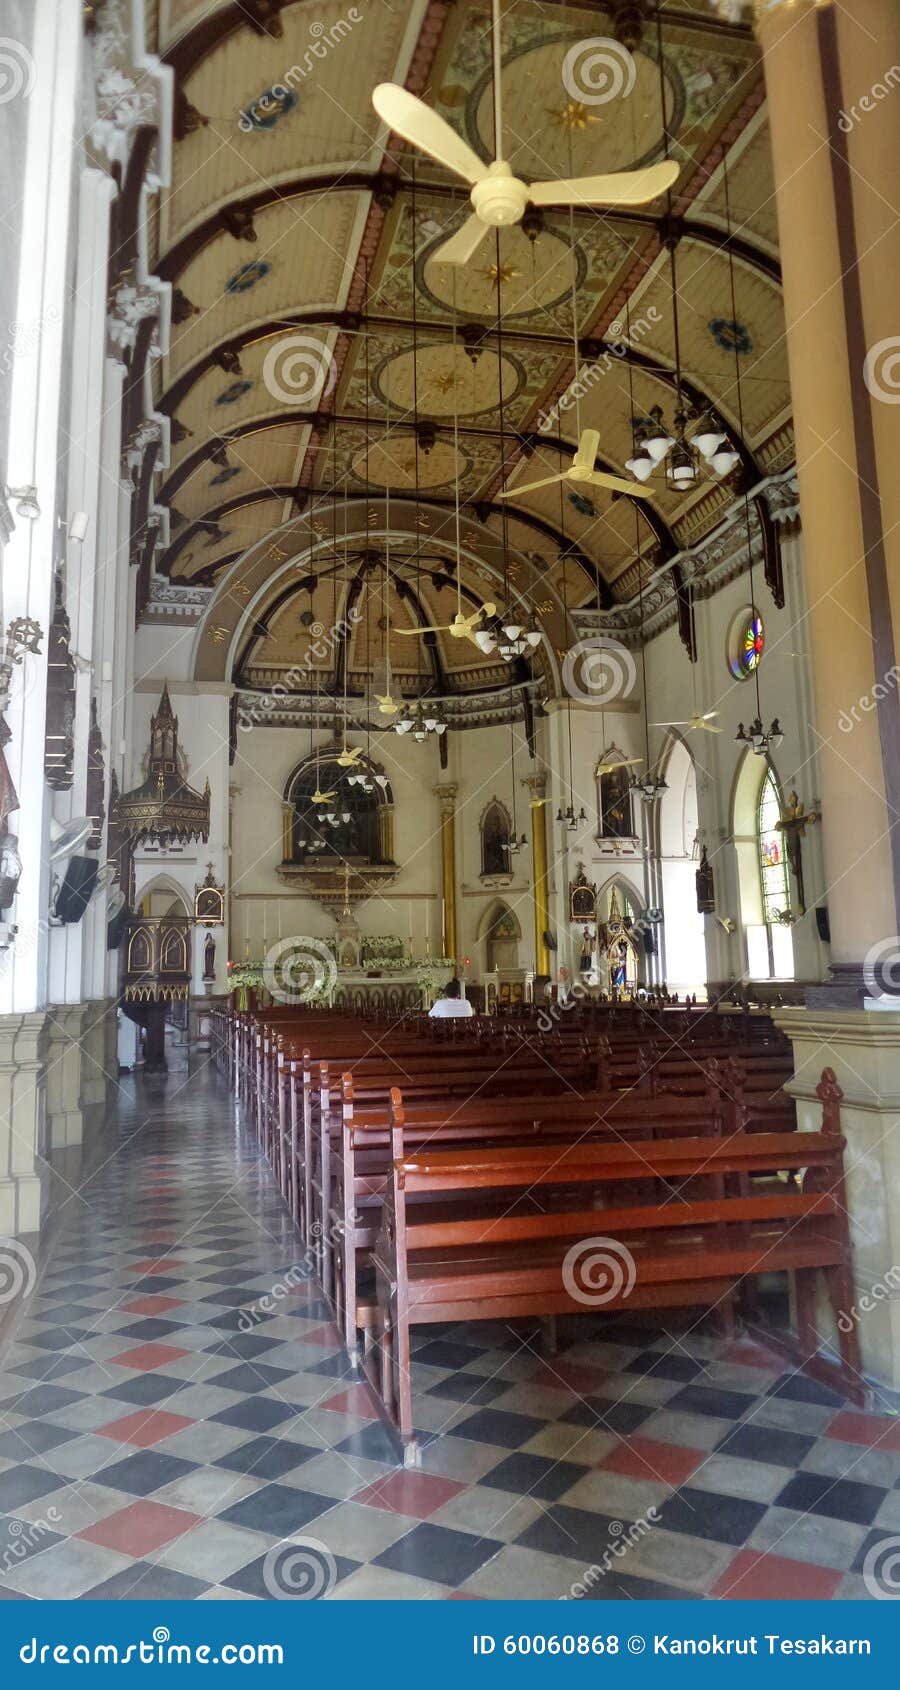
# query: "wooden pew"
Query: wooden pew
511,1258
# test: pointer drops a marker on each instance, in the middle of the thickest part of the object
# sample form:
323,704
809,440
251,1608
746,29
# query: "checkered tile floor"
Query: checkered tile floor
152,1447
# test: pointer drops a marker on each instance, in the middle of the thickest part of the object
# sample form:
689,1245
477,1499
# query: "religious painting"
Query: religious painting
209,902
495,832
614,800
582,897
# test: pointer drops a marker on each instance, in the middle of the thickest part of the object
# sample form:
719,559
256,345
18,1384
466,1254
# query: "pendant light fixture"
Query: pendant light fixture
708,446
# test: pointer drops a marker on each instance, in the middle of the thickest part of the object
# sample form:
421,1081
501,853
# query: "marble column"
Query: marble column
537,786
836,145
835,167
446,795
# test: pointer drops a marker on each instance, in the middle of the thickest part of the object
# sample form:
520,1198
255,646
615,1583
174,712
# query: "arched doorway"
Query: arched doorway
679,826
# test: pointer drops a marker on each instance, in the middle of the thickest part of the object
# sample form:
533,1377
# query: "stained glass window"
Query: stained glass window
776,895
748,641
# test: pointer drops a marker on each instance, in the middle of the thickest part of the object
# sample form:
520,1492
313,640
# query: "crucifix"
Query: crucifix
792,825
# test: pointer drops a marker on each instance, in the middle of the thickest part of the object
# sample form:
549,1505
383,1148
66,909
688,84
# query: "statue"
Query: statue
706,886
209,958
792,825
586,960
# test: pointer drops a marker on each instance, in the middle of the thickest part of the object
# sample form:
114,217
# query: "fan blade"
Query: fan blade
412,633
587,448
463,245
668,724
708,715
707,729
626,187
423,128
598,478
529,487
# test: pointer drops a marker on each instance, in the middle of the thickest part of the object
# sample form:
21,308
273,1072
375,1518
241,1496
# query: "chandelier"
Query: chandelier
760,739
683,455
421,719
568,818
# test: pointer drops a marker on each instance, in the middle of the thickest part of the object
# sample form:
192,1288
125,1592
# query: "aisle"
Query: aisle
162,1434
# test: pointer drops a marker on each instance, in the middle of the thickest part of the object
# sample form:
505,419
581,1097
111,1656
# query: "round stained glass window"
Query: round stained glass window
746,644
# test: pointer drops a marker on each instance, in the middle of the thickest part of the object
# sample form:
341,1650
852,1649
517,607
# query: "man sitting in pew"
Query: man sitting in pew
452,1003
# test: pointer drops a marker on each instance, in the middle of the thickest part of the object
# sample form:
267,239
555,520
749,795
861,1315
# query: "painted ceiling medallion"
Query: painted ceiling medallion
730,335
568,143
446,381
233,392
248,275
572,117
392,463
534,278
267,109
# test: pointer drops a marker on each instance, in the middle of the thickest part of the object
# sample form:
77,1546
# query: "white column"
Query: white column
34,457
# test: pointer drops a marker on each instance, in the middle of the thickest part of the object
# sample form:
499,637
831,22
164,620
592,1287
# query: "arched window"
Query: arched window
495,832
776,891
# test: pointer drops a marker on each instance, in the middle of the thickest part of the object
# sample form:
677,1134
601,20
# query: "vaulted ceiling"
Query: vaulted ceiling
313,328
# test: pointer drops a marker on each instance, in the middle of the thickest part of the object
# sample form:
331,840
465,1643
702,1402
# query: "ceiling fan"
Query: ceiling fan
387,706
695,722
322,797
347,758
621,763
581,472
498,197
461,628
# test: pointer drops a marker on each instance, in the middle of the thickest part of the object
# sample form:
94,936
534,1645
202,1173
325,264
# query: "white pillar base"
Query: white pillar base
23,1056
864,1051
65,1118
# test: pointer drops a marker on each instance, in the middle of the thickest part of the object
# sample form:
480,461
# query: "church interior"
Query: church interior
450,785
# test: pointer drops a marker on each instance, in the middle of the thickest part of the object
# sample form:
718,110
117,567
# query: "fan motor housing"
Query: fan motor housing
500,198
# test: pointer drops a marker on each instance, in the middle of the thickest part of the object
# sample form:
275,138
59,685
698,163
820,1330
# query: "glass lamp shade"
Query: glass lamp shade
681,470
533,637
431,721
724,458
641,464
512,631
708,438
657,442
403,726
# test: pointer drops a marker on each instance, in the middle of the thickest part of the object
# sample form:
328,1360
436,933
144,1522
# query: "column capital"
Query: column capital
536,784
763,10
447,795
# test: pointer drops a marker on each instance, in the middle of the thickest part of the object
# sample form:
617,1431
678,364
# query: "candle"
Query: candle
265,922
278,907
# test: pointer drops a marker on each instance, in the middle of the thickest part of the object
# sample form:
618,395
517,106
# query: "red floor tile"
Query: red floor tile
418,1494
143,1428
140,1528
748,1354
356,1400
165,1265
152,1305
148,1356
328,1336
645,1458
752,1577
581,1379
871,1430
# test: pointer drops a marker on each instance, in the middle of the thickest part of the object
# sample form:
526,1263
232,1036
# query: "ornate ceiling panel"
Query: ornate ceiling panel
315,330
